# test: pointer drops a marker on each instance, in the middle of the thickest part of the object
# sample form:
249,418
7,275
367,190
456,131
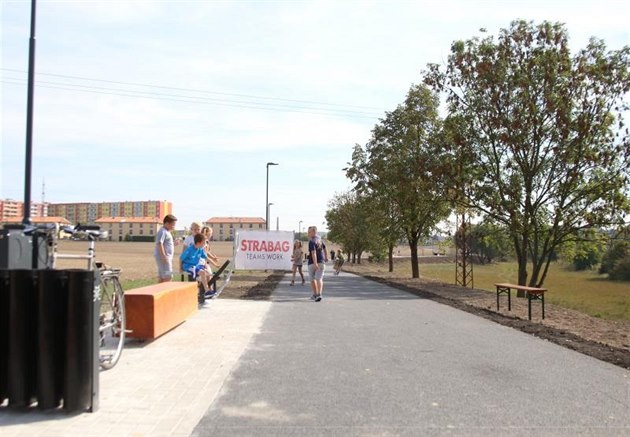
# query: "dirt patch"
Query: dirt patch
606,340
252,285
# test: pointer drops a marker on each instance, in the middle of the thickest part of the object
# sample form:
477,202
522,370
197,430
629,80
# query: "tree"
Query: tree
544,133
489,241
381,211
401,168
584,250
349,225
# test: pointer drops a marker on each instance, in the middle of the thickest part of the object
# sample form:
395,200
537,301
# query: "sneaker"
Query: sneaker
313,297
318,298
210,293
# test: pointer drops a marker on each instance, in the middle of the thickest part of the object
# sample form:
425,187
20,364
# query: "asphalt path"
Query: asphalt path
371,360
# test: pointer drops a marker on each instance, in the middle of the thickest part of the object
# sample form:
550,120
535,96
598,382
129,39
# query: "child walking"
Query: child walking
298,259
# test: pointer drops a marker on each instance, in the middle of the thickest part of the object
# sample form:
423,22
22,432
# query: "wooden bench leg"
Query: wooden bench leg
504,290
497,298
541,298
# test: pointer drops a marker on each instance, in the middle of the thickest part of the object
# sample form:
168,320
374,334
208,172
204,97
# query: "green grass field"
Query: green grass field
586,291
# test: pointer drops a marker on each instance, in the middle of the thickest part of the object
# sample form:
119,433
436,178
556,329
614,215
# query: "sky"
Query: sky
187,101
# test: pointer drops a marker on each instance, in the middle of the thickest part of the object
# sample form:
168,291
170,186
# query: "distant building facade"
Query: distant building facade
15,208
61,221
89,213
119,228
224,228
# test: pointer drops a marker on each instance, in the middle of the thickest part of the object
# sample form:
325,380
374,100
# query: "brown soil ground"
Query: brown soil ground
606,340
603,339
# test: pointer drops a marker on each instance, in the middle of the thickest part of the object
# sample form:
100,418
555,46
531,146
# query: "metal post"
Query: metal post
269,212
29,119
267,197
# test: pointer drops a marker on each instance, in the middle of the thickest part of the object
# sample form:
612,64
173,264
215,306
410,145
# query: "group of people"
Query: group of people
316,257
195,256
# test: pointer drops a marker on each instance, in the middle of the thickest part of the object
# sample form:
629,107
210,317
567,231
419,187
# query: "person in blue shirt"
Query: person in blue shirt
193,261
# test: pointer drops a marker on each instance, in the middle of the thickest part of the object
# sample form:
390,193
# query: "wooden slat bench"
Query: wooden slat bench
156,309
532,293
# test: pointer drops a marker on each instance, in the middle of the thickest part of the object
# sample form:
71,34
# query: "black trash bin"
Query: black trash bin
22,338
49,339
4,335
81,362
51,320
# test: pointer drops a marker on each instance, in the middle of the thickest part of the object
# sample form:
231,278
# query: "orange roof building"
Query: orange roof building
224,228
122,228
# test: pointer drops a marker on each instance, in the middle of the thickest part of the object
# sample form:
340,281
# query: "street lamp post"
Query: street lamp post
267,196
269,211
300,230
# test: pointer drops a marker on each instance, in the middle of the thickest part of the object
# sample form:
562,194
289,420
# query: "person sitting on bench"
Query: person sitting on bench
193,261
207,232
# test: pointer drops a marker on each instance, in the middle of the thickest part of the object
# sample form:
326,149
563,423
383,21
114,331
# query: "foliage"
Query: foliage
489,242
584,251
348,218
621,269
617,251
401,168
140,238
537,135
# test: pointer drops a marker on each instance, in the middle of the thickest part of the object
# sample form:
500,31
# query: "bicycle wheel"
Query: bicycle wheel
112,320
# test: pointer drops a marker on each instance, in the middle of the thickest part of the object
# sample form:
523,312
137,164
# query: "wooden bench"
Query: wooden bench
156,309
532,293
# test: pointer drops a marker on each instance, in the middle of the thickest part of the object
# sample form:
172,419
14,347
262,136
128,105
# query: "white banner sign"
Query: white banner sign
263,250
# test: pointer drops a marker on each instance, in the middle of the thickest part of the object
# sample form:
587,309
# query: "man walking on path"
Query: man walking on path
316,259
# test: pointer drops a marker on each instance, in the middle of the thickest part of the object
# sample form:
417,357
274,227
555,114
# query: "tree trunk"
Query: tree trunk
415,270
390,255
521,257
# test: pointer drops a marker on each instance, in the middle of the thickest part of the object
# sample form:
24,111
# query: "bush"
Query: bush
377,256
621,270
617,252
140,238
587,259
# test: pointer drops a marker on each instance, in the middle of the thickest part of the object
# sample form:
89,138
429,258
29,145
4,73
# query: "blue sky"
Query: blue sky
188,100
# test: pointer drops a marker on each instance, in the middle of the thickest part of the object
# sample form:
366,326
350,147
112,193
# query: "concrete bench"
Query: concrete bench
532,293
156,309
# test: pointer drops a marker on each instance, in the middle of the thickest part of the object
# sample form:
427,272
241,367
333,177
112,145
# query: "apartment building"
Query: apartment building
15,208
224,228
124,228
88,213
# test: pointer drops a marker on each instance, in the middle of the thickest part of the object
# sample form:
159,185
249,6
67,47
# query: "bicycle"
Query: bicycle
112,321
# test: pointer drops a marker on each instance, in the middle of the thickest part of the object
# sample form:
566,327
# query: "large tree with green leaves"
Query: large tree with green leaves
542,129
401,167
350,225
382,212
